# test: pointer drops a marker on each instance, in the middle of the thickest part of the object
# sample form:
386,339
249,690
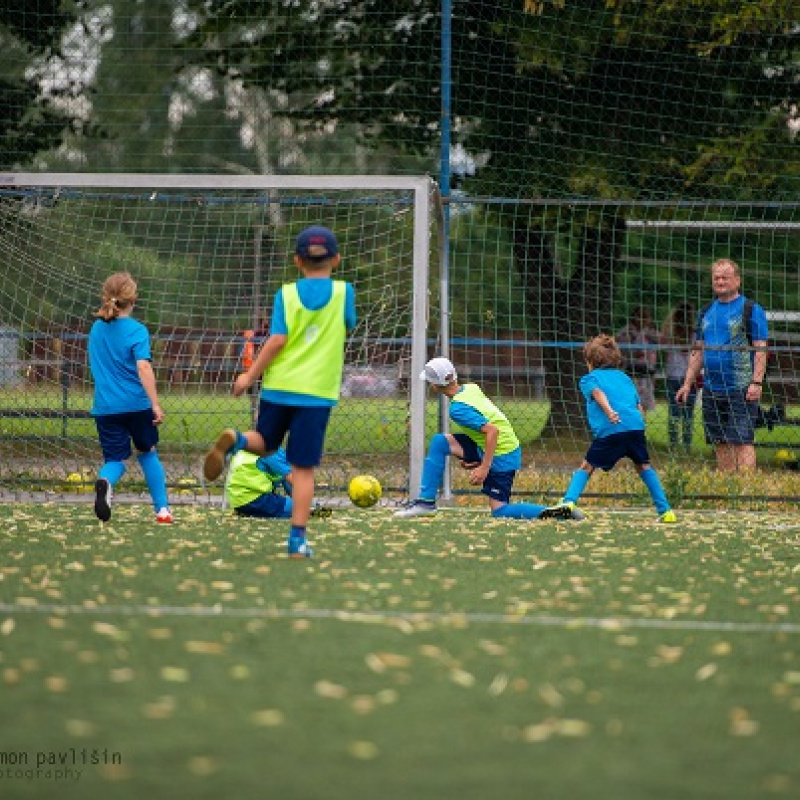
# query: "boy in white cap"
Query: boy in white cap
484,442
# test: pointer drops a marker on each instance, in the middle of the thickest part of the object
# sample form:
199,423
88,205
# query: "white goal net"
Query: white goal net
208,253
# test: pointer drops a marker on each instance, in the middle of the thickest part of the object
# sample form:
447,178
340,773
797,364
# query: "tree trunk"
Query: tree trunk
567,310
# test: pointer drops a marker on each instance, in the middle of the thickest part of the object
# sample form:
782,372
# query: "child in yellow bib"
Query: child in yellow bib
300,365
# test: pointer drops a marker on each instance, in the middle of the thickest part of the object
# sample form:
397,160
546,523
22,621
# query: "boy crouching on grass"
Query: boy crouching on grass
486,445
616,419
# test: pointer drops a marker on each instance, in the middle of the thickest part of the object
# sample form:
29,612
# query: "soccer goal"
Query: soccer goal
208,253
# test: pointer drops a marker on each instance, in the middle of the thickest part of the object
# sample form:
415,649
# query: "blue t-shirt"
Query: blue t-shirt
314,294
727,361
469,417
622,397
114,348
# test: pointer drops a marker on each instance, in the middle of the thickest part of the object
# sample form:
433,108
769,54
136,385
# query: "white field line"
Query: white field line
388,617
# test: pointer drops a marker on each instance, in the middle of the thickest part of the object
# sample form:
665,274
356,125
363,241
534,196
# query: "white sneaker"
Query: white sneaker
164,515
419,508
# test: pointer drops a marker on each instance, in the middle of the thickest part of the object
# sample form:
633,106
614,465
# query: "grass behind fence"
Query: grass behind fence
454,657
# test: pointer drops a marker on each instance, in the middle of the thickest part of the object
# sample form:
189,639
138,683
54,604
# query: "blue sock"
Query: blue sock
155,478
433,468
297,532
240,443
519,511
576,486
112,471
653,484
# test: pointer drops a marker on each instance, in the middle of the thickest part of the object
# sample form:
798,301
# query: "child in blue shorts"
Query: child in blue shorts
483,441
616,419
125,407
300,365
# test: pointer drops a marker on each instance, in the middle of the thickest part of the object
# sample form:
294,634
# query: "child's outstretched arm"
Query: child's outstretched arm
599,396
266,354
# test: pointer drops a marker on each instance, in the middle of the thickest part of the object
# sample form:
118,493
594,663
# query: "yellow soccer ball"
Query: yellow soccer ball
365,490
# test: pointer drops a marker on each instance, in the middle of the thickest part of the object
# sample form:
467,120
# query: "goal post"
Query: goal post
208,253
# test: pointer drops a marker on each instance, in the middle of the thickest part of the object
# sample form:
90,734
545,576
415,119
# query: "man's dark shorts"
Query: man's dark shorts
606,452
116,431
728,417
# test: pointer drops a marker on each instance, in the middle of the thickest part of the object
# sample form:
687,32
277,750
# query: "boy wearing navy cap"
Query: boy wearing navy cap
300,365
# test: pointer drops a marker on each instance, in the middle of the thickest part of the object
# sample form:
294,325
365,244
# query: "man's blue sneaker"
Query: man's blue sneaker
299,548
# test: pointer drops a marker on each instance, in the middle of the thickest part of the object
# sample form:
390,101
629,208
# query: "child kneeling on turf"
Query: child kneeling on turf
261,486
484,442
616,419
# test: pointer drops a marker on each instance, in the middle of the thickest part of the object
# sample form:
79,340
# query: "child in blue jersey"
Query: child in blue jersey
616,419
300,365
484,442
126,407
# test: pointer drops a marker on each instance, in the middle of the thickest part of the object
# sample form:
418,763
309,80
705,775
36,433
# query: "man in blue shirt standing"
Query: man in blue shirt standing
731,347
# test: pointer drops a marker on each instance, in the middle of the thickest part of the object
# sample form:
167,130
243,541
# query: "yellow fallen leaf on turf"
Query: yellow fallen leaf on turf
7,627
363,704
551,695
11,675
498,684
56,683
364,751
741,724
268,717
462,678
162,708
492,648
669,654
387,697
328,689
573,727
538,733
120,675
202,766
175,674
79,727
722,649
705,672
239,672
107,629
207,648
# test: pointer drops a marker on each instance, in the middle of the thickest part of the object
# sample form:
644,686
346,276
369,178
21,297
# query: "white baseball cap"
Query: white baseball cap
439,372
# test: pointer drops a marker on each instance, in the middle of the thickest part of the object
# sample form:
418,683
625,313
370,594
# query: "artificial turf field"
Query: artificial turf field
448,657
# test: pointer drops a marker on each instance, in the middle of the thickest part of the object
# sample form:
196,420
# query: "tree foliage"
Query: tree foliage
34,116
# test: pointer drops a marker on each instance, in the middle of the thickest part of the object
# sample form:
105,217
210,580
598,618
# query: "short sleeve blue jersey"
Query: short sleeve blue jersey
314,294
469,417
622,397
114,348
727,360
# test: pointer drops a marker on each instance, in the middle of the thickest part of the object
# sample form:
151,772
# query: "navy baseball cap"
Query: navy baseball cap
316,243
